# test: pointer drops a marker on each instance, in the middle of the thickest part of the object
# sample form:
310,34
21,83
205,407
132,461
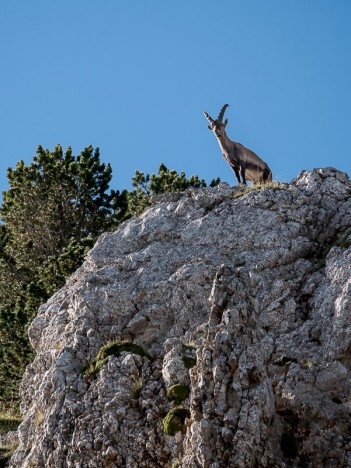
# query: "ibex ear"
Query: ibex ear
225,122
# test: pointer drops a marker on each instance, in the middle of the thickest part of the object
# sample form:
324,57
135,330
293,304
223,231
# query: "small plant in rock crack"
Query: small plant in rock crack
173,422
115,348
137,388
91,368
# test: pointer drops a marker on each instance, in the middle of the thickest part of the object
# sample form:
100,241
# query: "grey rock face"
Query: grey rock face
245,300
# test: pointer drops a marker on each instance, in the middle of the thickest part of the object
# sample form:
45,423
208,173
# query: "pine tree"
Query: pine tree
166,180
52,213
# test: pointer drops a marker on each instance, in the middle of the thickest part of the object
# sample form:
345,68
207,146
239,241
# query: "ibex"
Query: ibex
244,162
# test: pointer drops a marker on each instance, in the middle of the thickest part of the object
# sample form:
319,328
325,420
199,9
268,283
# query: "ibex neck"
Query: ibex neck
224,142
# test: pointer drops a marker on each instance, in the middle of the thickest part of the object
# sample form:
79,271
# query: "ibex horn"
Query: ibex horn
221,114
208,117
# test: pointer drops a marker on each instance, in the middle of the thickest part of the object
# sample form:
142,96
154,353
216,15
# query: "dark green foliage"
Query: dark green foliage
56,198
189,362
6,453
52,213
9,423
165,180
173,422
178,393
114,348
289,446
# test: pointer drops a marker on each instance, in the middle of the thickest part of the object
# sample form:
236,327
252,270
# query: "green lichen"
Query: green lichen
178,393
173,422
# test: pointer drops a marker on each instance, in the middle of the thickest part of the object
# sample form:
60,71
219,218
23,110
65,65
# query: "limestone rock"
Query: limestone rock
246,299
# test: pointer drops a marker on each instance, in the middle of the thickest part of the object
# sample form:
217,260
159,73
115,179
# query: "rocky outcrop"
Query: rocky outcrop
242,304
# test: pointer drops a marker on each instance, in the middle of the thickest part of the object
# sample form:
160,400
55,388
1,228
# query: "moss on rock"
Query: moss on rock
173,422
178,393
115,348
189,362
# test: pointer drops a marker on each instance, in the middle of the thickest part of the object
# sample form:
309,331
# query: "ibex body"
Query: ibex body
244,162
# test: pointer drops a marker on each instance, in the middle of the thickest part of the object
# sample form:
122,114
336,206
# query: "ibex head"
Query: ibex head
217,126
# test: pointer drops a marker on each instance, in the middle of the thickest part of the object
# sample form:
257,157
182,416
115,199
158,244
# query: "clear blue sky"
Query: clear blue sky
134,77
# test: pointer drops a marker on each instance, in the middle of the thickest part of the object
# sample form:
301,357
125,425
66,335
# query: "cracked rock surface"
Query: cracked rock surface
244,299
